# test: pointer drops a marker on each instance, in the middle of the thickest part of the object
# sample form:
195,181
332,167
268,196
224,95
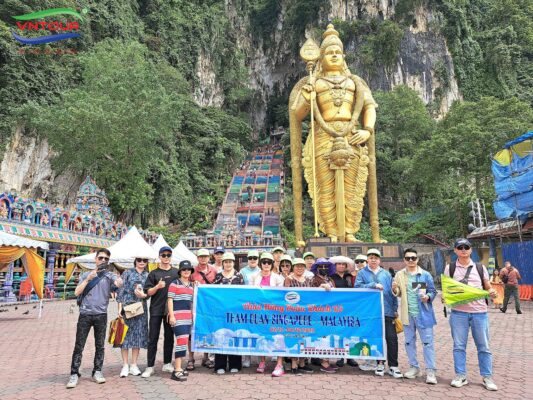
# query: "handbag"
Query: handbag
398,325
117,332
134,309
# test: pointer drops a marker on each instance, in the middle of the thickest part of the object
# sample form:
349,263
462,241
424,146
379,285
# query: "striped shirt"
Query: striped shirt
181,296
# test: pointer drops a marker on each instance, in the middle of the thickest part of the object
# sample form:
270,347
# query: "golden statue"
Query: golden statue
339,154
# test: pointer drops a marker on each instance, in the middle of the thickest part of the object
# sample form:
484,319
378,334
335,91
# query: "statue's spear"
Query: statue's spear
310,53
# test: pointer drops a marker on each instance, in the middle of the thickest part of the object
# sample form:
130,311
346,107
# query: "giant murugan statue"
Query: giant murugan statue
339,153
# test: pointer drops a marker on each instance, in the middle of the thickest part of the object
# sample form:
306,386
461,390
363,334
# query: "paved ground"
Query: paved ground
35,357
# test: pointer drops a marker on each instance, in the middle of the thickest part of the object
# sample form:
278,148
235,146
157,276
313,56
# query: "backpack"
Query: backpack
505,277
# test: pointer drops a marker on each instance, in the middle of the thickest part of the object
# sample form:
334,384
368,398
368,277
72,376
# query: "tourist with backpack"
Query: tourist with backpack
93,291
510,277
470,316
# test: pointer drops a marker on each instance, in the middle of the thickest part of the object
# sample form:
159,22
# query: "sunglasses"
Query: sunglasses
143,260
414,258
102,258
463,247
266,262
322,267
166,255
253,258
359,262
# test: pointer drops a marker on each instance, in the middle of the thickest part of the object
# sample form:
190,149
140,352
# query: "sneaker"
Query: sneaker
519,312
98,377
459,380
168,368
246,361
395,372
148,372
234,370
261,367
380,370
489,383
178,376
412,373
296,371
73,381
328,370
134,370
367,366
125,371
431,379
306,369
352,363
278,371
340,363
221,371
502,310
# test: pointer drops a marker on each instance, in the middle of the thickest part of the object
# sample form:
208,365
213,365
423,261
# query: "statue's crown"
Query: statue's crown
330,37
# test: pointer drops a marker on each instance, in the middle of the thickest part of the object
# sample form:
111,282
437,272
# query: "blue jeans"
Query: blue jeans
460,323
426,336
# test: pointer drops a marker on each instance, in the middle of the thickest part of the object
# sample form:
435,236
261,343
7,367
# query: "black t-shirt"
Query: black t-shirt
159,299
342,282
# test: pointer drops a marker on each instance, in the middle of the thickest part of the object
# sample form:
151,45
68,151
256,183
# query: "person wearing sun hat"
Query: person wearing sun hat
341,277
285,265
277,252
309,259
252,268
375,277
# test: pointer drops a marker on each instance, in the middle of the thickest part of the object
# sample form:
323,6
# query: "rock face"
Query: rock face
423,63
26,168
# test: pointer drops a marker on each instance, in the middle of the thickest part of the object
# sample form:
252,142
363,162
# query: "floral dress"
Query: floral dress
137,335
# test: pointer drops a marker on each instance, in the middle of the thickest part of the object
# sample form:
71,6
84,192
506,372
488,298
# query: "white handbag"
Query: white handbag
133,310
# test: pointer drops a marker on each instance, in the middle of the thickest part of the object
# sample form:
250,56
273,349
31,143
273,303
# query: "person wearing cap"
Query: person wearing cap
137,335
203,274
309,259
156,287
375,277
277,252
416,288
267,278
217,254
252,268
470,316
285,265
228,276
359,264
179,305
297,279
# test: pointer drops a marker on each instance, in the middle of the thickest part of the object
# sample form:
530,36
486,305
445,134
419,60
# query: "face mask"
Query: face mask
323,272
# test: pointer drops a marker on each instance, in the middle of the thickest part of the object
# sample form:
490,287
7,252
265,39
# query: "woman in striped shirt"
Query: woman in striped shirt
179,304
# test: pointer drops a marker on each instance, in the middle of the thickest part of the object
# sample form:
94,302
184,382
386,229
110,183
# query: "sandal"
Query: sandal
190,365
178,376
208,364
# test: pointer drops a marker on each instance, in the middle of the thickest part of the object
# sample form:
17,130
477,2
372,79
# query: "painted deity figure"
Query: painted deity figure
344,117
3,210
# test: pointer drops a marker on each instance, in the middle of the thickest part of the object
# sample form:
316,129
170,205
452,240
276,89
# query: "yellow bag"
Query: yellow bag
117,332
398,325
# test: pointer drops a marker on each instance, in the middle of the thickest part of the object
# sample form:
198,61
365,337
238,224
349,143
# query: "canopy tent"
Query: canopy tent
123,253
183,253
161,242
13,247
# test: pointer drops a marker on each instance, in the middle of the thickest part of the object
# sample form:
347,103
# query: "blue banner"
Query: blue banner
290,322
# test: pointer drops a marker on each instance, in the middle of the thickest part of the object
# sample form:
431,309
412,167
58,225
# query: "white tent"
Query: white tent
161,242
123,253
7,239
182,252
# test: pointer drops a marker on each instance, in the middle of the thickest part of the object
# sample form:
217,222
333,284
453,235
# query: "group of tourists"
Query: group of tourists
171,294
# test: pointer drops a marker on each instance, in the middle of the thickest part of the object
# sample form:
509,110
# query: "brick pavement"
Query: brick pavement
36,355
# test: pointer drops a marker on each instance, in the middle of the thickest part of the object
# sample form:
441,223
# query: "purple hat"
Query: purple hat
323,261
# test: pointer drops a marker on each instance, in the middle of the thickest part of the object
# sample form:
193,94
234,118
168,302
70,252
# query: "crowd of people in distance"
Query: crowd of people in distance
170,291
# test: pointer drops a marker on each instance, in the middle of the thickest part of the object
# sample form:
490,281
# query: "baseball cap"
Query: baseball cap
278,248
374,252
286,257
185,264
202,252
462,242
297,261
165,248
360,257
228,256
253,253
266,256
219,249
309,254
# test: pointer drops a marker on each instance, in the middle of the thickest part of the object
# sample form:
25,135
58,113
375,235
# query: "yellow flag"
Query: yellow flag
455,292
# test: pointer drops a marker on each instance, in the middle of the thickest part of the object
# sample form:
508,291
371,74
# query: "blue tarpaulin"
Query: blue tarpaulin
520,256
